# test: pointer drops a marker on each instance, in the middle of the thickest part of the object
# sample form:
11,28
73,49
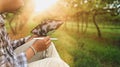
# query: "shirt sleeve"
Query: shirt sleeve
22,59
17,43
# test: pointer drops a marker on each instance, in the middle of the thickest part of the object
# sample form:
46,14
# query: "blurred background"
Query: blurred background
89,37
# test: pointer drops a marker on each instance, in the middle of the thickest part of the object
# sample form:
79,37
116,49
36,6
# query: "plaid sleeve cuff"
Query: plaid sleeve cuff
17,43
22,60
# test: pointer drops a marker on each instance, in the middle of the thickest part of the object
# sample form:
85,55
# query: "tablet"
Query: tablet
47,27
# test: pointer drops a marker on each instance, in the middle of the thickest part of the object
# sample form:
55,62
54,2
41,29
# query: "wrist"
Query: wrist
29,53
34,50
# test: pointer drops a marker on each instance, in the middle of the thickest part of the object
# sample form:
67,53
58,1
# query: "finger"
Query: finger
48,43
47,38
35,35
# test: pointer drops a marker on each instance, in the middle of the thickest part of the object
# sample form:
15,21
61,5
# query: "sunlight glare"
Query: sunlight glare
41,5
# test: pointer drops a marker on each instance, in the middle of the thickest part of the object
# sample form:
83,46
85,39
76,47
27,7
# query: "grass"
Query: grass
90,51
87,50
96,53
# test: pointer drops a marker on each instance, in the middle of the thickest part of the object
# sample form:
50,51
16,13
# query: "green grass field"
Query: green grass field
87,50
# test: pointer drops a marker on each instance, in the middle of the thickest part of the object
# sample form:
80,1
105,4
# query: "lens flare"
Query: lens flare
41,5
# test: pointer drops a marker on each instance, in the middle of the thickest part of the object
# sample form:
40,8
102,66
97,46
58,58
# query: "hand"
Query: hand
33,36
38,45
41,45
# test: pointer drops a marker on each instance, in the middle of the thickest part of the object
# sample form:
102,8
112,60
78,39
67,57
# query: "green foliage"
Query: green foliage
107,55
82,59
95,54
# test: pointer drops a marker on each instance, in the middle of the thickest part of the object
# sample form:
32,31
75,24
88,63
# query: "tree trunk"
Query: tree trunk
65,22
82,22
96,25
78,26
86,22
